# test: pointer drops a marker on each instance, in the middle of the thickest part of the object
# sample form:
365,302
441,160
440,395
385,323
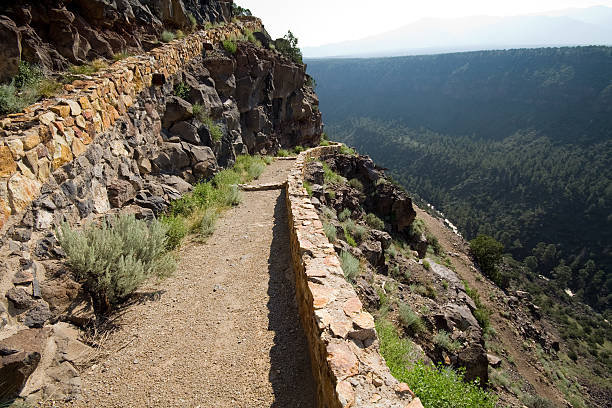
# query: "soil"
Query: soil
524,362
223,331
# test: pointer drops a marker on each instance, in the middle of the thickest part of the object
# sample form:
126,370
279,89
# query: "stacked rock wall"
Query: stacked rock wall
54,132
344,347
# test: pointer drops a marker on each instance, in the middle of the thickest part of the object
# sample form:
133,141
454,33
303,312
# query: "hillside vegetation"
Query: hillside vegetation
513,144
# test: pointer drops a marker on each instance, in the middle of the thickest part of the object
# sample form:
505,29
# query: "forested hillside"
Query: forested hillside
514,144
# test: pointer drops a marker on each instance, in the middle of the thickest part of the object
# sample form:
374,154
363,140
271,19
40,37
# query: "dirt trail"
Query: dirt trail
223,331
512,343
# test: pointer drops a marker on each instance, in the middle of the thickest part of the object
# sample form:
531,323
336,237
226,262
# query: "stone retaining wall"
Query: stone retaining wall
55,131
347,366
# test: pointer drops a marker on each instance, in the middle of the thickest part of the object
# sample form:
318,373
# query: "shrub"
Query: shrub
426,265
373,221
282,153
182,90
356,184
443,340
207,225
359,232
256,169
536,401
28,86
167,36
192,20
90,68
328,213
410,320
344,214
330,176
230,46
216,133
120,55
483,317
288,46
330,232
488,253
308,188
180,34
115,257
350,266
176,231
298,149
344,149
240,11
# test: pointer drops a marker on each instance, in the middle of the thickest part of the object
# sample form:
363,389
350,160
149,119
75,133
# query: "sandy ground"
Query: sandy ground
223,331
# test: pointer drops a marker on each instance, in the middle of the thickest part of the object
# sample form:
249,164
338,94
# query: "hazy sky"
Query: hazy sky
317,22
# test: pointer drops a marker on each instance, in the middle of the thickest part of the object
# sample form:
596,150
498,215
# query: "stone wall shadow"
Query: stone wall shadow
290,373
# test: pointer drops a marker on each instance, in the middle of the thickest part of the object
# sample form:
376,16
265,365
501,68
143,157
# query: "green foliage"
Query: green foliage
344,215
192,20
288,46
240,11
328,213
179,34
216,133
349,238
436,387
482,314
310,82
115,257
488,253
177,230
331,176
298,149
230,46
443,340
308,188
181,89
282,153
207,225
330,232
256,169
426,265
28,86
373,221
344,149
350,266
536,401
167,36
356,184
410,320
121,55
528,174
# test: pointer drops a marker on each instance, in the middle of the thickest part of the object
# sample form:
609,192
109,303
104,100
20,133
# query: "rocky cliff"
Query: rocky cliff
56,33
130,138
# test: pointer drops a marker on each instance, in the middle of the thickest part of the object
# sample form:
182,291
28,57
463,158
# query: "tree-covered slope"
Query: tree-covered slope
515,144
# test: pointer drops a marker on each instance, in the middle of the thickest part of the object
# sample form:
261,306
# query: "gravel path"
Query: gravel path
223,331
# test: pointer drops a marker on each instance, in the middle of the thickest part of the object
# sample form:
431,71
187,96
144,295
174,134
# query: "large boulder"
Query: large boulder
176,109
474,359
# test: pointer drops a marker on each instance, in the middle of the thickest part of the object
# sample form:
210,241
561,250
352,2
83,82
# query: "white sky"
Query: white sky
318,22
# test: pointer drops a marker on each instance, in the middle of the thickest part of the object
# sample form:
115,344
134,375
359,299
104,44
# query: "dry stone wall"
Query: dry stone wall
347,365
56,131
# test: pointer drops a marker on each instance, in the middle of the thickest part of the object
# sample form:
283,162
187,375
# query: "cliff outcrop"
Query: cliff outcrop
57,33
131,138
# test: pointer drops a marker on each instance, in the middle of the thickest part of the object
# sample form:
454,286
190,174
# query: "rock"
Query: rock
25,350
10,53
373,252
20,298
23,277
392,202
177,183
461,316
22,234
177,109
494,361
314,173
381,236
474,359
38,315
186,131
443,272
120,192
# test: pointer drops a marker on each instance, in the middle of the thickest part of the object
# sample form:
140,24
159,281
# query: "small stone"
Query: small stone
342,360
352,307
23,277
402,388
346,394
7,163
16,147
375,398
47,118
31,139
75,108
340,328
62,110
377,381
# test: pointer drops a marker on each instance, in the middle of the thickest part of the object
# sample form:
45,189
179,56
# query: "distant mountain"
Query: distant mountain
589,26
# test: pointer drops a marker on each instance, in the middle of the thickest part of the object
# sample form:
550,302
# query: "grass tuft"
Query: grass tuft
167,36
350,266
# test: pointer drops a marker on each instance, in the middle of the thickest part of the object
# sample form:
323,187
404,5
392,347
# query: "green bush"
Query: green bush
330,176
356,184
115,257
330,232
192,20
207,225
373,221
89,68
256,169
28,86
426,265
436,387
182,90
308,188
120,55
230,46
344,149
288,46
167,36
410,320
344,214
176,230
180,34
282,153
488,253
350,266
216,133
328,213
443,340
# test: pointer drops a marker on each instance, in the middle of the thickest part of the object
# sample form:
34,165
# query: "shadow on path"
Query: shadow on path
290,372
